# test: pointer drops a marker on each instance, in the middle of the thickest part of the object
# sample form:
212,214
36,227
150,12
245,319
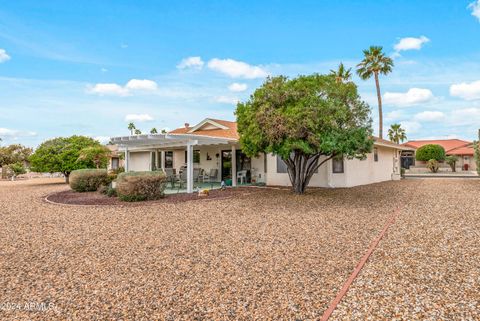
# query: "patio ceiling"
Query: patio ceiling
168,140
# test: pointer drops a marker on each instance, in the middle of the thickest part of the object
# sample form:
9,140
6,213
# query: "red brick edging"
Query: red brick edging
326,315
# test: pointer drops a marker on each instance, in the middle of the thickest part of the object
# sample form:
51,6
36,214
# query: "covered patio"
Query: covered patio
200,156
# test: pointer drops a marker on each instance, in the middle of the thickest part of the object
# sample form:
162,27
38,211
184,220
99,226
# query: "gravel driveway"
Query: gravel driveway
265,255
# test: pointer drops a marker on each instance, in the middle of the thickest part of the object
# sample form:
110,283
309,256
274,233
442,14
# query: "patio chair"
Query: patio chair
170,173
181,180
242,176
211,177
196,174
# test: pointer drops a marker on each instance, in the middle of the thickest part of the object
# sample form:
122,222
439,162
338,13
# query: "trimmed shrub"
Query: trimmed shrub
452,161
88,180
141,186
430,151
432,165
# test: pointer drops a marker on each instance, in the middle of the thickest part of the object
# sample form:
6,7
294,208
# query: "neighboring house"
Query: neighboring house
214,144
461,148
116,159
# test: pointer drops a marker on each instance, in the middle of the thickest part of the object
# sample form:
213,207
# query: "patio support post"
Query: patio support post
127,158
234,165
162,159
190,167
157,166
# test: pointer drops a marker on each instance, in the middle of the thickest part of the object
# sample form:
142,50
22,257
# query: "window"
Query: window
196,157
337,165
281,166
375,154
115,162
169,159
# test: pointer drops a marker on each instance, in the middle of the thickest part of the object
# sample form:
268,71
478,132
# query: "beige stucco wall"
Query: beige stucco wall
139,161
356,172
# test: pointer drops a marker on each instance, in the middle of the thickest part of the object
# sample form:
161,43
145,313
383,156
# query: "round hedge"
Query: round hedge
430,151
141,186
88,180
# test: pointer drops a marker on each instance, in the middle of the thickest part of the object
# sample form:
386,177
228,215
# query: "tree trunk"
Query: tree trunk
301,168
380,112
67,178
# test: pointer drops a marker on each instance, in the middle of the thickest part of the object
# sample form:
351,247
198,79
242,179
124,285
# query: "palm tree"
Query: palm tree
131,128
396,133
153,131
341,74
137,132
374,63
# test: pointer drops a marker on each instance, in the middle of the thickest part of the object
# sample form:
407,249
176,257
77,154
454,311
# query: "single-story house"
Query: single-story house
463,149
214,144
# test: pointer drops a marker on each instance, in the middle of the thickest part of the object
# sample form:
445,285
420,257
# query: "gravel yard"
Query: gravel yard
262,255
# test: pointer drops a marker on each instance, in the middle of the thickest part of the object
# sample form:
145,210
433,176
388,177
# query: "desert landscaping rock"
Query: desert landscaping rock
262,255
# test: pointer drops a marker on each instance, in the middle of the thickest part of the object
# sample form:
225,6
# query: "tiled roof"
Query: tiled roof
466,150
447,144
230,133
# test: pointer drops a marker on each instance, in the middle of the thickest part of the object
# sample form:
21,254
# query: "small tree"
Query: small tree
306,121
430,151
138,132
13,154
17,169
432,165
452,161
61,155
95,154
153,131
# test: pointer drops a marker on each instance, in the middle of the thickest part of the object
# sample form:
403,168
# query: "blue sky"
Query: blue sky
90,67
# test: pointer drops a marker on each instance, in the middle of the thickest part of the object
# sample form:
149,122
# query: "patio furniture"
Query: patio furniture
196,174
211,177
181,179
242,176
170,173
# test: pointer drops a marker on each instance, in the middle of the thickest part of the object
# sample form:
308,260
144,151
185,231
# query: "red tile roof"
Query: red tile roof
230,132
451,146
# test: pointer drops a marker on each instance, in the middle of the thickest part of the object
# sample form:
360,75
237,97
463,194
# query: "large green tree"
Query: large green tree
374,63
62,155
97,154
306,121
396,133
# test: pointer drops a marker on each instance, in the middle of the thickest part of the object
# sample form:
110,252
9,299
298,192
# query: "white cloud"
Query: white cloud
430,116
467,91
394,115
108,89
133,85
464,117
191,62
475,6
412,97
227,100
410,43
236,69
14,134
141,84
237,87
411,127
138,117
3,56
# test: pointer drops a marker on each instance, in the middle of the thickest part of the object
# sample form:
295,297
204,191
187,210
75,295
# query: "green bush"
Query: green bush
17,168
430,151
88,180
432,165
452,161
141,186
